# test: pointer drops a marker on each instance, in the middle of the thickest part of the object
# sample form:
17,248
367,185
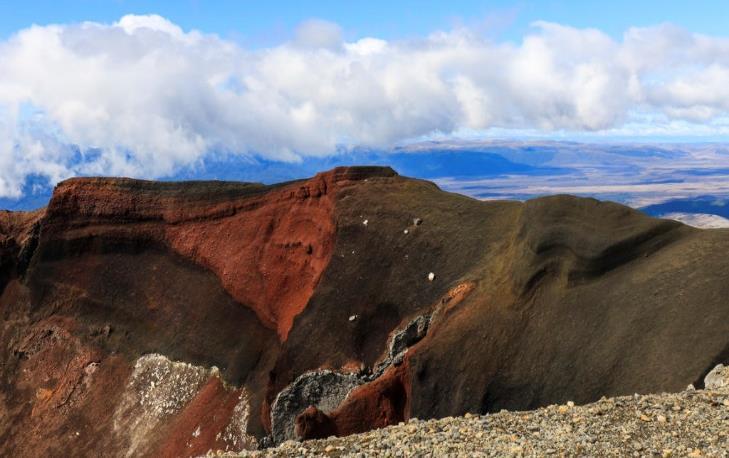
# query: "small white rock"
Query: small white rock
405,231
365,222
431,276
718,378
353,317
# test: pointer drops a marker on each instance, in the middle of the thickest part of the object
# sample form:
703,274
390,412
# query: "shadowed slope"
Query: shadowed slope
558,298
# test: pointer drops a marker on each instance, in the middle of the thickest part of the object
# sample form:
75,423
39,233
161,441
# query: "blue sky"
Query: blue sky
260,23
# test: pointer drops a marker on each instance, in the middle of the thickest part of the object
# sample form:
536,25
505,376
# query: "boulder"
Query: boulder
718,378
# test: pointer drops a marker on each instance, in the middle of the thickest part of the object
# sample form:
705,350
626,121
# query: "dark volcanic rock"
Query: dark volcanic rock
324,390
169,319
413,333
400,341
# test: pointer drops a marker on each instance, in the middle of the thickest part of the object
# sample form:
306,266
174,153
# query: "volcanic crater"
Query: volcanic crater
171,319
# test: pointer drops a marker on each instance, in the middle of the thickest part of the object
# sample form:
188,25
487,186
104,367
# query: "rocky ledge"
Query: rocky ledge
692,423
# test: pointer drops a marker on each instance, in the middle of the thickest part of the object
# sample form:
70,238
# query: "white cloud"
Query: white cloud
316,33
142,97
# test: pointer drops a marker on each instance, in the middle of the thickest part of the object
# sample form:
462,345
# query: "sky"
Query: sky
146,89
258,23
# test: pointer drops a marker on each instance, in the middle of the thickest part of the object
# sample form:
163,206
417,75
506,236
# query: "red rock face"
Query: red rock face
164,319
64,391
267,251
208,422
271,255
268,247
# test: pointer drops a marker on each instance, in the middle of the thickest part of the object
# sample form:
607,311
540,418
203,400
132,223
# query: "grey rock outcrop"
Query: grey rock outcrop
399,343
324,390
413,333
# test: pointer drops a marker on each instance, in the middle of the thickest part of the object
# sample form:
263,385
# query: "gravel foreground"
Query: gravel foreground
692,423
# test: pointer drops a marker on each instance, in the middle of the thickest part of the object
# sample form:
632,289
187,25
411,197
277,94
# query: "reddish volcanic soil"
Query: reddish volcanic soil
170,319
289,243
268,249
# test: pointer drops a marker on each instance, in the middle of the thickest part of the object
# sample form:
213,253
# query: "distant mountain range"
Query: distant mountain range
660,179
711,205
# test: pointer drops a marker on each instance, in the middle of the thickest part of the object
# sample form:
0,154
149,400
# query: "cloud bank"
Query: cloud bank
142,97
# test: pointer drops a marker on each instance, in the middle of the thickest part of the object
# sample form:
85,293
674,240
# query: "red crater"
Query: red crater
270,254
267,245
147,318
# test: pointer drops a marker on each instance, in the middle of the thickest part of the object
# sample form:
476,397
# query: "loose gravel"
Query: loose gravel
693,423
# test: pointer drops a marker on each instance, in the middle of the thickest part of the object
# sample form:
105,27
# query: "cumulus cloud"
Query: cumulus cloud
143,97
316,33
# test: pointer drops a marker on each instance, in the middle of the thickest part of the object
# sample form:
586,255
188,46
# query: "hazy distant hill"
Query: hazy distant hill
712,205
641,176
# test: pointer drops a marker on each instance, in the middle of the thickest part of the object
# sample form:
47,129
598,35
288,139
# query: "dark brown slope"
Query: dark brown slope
531,303
571,299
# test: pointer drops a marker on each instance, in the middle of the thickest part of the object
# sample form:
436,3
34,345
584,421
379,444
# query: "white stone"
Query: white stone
431,276
718,378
